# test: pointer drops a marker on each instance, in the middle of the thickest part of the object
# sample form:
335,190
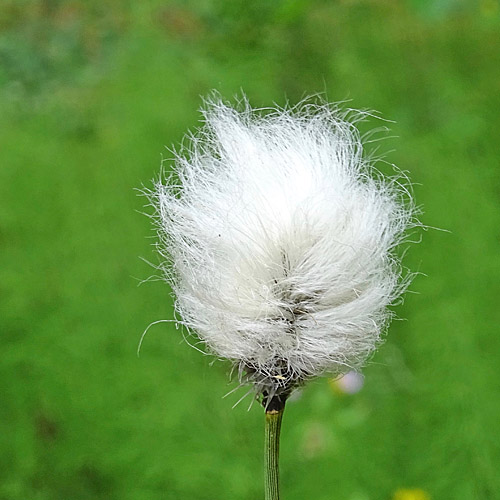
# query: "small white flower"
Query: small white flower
280,236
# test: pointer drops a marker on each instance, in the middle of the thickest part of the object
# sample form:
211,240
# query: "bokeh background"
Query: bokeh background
91,92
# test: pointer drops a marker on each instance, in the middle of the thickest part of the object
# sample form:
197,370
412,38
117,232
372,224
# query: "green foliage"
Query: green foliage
90,94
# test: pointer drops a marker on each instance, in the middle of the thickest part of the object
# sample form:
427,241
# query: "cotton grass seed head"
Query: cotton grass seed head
279,237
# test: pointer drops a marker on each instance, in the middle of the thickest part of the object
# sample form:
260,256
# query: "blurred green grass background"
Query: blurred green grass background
90,94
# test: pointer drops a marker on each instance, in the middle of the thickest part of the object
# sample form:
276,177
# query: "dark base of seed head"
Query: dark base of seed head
274,404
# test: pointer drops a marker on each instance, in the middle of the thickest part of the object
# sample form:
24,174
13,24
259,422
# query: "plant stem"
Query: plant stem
274,415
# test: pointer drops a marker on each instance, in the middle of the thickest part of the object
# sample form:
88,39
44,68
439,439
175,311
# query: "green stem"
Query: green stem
271,452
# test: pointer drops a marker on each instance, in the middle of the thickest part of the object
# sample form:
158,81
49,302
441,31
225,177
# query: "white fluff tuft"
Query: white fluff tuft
280,241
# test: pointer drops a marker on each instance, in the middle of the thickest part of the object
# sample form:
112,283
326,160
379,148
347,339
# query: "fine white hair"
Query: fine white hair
279,238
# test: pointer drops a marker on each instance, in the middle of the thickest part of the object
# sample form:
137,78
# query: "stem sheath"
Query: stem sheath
271,452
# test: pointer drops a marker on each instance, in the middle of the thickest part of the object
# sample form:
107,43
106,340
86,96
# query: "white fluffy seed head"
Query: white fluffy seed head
279,237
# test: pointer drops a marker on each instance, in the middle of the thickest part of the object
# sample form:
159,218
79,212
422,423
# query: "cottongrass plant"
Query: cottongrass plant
279,238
